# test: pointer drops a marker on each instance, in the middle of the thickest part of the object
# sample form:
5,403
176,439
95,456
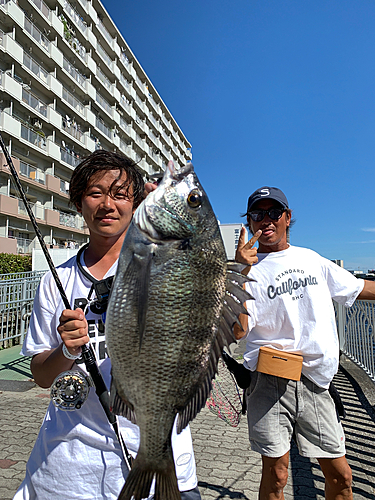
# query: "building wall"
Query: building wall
69,84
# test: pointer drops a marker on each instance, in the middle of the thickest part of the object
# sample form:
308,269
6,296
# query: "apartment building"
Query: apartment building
69,84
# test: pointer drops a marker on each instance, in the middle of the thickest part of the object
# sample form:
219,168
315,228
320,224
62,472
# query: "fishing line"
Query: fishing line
88,354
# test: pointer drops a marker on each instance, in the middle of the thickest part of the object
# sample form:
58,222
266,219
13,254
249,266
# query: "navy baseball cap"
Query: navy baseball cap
270,193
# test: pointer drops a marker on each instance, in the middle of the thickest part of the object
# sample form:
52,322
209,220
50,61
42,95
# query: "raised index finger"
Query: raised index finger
254,239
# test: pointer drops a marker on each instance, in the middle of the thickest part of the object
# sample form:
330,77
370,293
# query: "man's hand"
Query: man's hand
73,329
245,253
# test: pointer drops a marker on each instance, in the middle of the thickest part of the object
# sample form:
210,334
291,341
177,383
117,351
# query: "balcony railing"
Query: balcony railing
73,101
37,34
125,102
73,72
44,9
70,220
2,38
104,32
64,186
72,128
76,17
33,137
35,67
103,103
69,158
105,81
34,173
104,55
125,125
103,128
124,81
124,59
34,102
37,210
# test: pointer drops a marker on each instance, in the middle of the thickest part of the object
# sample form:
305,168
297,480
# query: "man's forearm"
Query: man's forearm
368,292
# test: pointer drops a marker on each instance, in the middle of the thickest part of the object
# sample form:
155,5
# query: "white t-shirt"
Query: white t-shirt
76,454
293,309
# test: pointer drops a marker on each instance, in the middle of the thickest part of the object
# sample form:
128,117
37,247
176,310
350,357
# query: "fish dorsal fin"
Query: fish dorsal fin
233,306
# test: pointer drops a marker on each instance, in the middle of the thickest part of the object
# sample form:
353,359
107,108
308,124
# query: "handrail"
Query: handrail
356,326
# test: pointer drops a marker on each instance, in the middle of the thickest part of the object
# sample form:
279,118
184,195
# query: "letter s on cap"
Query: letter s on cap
264,192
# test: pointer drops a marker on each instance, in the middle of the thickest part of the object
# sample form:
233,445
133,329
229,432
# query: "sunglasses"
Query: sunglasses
273,214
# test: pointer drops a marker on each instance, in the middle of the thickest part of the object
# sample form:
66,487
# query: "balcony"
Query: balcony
104,104
103,30
44,9
72,40
104,55
38,36
72,128
36,208
70,220
73,101
35,103
104,80
33,173
73,72
36,138
35,68
70,158
74,15
103,128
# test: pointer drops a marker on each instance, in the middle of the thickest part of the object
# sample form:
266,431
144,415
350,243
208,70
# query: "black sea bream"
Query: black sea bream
172,307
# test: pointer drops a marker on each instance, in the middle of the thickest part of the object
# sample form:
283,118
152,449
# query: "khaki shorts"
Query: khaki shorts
278,409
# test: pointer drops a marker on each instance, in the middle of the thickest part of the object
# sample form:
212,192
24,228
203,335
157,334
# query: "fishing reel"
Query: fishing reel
70,390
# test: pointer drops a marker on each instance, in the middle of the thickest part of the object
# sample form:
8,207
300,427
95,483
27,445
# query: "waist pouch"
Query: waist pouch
280,363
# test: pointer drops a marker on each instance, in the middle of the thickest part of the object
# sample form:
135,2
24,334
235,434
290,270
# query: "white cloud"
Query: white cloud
369,229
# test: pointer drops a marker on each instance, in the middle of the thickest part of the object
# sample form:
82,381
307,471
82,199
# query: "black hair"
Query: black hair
102,161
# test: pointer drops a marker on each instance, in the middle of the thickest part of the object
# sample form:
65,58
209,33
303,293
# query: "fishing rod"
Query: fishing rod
88,355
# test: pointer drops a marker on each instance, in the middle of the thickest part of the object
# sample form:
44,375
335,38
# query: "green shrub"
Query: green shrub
10,263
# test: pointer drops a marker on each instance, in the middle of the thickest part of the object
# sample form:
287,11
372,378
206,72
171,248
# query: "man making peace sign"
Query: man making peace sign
292,315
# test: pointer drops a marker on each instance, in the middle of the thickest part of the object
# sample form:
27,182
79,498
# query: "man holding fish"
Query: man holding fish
77,454
292,347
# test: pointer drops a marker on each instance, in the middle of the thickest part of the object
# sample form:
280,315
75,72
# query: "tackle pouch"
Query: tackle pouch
279,363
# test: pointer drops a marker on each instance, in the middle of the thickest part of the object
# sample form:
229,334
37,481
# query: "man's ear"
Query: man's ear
288,217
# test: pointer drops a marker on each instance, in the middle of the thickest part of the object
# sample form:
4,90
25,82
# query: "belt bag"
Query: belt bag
280,363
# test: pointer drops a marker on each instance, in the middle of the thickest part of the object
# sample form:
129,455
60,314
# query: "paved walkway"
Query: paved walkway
226,467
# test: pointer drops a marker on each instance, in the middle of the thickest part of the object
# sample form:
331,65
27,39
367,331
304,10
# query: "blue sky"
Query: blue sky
277,93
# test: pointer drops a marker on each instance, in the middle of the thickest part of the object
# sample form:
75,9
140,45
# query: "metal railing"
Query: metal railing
73,101
356,327
35,67
33,137
73,72
104,104
38,36
16,301
34,173
34,102
44,9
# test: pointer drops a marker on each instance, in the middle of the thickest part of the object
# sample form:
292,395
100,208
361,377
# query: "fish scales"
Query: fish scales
163,323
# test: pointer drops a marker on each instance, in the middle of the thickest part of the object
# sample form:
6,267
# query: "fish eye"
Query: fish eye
194,199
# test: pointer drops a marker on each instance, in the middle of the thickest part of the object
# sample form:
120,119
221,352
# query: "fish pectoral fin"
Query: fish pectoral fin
138,274
120,406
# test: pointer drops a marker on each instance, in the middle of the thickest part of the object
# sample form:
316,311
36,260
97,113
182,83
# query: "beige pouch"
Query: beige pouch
280,363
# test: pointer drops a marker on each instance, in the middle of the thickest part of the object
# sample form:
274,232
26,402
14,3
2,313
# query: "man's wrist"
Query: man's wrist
68,355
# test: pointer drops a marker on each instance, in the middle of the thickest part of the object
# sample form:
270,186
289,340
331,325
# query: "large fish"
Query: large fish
172,307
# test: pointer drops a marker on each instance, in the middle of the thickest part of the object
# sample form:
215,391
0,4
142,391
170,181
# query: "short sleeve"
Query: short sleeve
42,333
343,286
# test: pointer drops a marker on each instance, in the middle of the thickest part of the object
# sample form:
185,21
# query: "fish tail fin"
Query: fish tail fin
138,482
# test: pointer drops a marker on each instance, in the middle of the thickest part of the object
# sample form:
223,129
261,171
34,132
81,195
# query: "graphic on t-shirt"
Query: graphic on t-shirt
96,330
291,285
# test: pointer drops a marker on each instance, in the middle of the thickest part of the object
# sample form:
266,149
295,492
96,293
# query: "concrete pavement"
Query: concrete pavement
226,467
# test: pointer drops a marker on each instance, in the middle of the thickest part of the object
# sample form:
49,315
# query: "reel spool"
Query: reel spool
70,390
